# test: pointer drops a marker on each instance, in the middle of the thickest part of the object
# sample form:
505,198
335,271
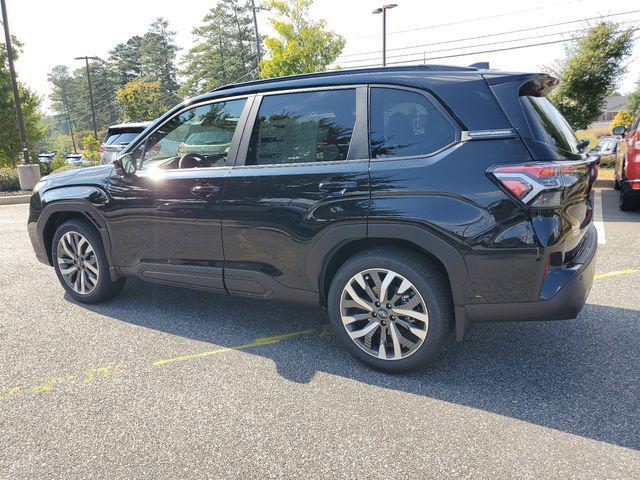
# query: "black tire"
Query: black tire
430,283
616,184
104,288
628,203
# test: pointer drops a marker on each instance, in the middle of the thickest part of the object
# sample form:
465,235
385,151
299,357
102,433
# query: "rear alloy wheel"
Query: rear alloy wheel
81,264
391,308
384,314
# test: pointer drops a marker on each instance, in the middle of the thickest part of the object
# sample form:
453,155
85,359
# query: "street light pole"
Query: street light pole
93,108
383,11
14,85
255,11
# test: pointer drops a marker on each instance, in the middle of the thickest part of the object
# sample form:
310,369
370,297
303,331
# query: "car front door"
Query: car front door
300,187
165,219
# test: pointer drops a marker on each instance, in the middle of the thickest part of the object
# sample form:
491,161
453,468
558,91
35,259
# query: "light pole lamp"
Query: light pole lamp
383,10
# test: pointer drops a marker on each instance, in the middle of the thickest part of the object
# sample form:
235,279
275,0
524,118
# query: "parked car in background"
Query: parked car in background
627,176
77,159
409,201
118,137
607,148
45,160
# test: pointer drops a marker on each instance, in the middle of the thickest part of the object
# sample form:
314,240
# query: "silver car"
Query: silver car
118,137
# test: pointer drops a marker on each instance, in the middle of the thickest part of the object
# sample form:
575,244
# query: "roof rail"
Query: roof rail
352,71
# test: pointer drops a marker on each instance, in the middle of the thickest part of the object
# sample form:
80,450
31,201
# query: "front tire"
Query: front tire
81,264
391,308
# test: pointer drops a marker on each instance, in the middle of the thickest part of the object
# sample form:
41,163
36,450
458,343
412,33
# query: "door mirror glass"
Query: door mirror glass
619,130
125,165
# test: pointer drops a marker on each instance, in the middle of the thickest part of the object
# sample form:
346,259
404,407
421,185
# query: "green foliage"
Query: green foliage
10,148
622,118
590,72
301,45
634,100
91,148
223,49
9,181
140,100
58,162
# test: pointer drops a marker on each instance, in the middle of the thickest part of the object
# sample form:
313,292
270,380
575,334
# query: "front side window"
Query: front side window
196,138
404,123
303,127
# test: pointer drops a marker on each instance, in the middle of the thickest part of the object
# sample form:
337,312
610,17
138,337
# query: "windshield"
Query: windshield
548,124
121,138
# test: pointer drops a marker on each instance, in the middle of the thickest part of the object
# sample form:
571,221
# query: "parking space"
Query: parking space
164,382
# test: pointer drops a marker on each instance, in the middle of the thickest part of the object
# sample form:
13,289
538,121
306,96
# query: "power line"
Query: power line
512,40
478,37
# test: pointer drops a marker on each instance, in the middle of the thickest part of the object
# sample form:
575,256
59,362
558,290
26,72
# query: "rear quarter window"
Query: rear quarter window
548,125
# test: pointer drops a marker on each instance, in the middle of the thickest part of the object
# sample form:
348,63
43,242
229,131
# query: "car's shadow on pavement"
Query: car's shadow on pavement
579,376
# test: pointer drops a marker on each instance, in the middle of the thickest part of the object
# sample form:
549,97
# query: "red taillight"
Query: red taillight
541,184
181,148
635,185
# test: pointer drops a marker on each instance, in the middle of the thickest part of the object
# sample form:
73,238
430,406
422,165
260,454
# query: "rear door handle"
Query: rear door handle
204,190
339,187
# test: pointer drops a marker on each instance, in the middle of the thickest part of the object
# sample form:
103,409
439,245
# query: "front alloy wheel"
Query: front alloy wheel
384,314
78,262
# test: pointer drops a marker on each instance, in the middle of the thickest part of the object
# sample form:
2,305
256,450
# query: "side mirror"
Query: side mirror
619,130
125,165
583,144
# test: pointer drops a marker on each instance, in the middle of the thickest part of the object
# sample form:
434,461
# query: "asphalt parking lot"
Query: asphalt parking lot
169,383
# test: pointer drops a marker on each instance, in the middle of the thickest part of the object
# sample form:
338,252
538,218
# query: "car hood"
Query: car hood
79,176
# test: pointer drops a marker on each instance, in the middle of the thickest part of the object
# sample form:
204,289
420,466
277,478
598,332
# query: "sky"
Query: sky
54,33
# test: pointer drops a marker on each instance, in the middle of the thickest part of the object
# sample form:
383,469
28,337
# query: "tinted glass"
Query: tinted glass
216,121
121,138
548,124
405,123
303,127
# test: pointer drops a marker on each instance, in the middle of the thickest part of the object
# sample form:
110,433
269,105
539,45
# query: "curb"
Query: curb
603,184
15,199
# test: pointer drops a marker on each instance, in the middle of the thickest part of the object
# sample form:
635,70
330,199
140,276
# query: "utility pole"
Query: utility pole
66,111
255,10
383,11
93,108
14,85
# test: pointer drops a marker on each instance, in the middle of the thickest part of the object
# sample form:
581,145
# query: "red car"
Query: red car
627,178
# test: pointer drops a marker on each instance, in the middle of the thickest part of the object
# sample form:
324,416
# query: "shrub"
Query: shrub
9,181
622,118
58,162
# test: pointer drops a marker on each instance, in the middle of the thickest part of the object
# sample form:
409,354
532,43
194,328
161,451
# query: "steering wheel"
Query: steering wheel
191,160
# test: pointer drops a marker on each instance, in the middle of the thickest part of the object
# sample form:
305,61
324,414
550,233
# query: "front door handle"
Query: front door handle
204,190
336,186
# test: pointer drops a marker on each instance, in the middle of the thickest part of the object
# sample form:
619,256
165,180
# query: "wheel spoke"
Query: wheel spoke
65,245
363,331
403,312
69,270
418,332
382,349
389,277
395,338
348,320
356,298
88,265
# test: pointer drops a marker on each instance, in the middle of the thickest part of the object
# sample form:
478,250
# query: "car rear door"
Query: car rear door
300,185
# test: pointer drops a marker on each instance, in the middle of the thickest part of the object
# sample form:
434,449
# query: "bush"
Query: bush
58,162
9,181
622,118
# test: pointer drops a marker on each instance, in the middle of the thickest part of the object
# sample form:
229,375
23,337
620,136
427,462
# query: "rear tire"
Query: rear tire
616,184
394,341
628,203
81,264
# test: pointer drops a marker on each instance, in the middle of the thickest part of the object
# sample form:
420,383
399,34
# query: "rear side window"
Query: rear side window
405,123
303,127
548,125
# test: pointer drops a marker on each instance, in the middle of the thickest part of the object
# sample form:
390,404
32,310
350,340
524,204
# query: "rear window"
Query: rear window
121,138
548,125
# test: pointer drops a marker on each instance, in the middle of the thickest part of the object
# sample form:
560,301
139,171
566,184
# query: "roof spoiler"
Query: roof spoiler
480,65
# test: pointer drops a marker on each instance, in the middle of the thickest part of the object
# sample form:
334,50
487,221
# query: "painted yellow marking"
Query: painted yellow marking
11,391
628,271
104,372
256,343
51,382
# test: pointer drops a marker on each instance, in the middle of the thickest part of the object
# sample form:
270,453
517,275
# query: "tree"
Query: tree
302,45
158,52
223,49
10,147
140,100
634,100
622,118
91,148
590,72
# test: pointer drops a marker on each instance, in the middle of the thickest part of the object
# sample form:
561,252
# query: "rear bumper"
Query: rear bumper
569,298
631,187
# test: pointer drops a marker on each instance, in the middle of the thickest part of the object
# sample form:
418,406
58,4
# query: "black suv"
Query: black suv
410,201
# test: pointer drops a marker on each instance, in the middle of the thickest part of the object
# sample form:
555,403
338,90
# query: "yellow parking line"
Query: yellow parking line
618,272
256,343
